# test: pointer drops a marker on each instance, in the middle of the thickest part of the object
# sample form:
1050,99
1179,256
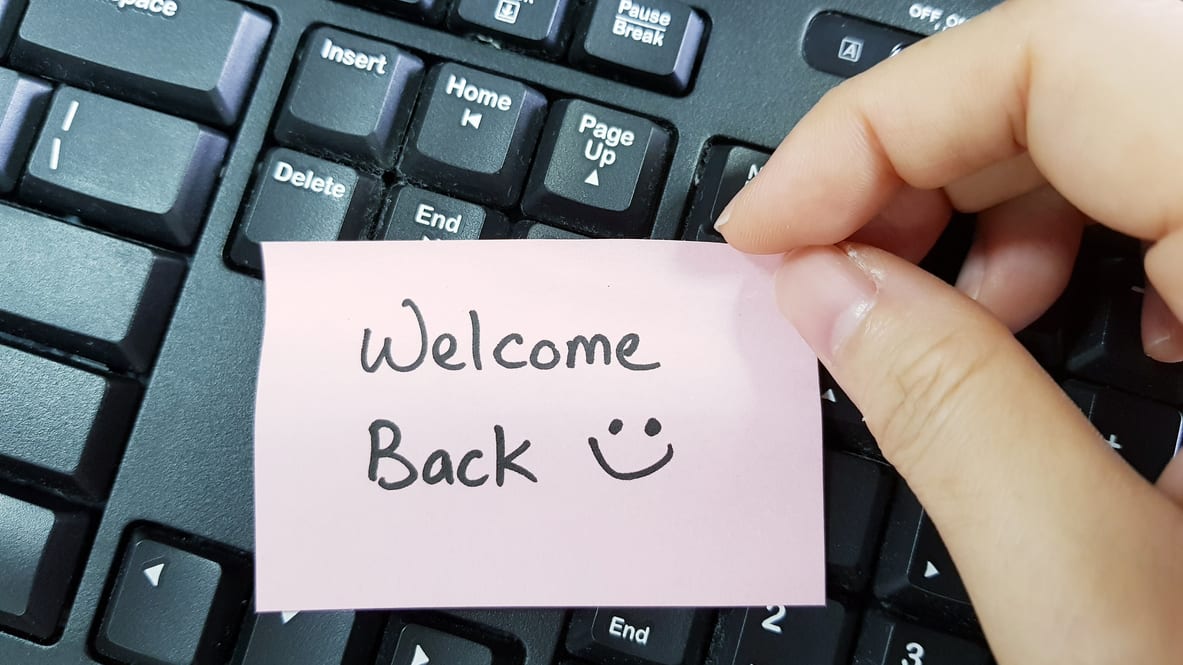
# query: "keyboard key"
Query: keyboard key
297,197
539,231
190,58
84,292
419,646
10,16
728,168
427,10
888,641
63,426
598,171
856,503
1145,433
1109,349
417,214
125,168
39,557
474,134
350,98
170,607
842,423
916,572
536,632
777,634
845,45
1045,338
310,638
533,24
662,636
653,42
23,100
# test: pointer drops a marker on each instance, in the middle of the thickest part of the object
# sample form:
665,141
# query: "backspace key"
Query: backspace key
194,58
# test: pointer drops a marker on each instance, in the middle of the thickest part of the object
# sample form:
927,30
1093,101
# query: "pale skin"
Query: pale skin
1048,114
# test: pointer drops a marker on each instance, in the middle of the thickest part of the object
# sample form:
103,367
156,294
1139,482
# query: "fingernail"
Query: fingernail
1162,333
972,275
1166,349
723,217
826,292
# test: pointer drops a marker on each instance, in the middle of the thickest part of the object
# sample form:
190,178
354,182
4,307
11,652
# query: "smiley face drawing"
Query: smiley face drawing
652,428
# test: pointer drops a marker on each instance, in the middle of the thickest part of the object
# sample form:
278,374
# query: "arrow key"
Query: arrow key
842,423
311,638
916,572
857,490
169,605
424,646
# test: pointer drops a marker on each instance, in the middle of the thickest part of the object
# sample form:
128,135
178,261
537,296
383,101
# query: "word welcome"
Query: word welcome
509,352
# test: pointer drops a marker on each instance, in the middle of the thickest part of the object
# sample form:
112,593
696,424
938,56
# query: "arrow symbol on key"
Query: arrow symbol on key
930,571
830,397
420,657
593,178
285,617
153,574
470,119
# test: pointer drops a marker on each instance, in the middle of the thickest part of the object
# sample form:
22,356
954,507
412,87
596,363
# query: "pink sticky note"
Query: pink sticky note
673,421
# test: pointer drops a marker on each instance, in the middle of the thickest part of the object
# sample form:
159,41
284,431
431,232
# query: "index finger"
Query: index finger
1077,84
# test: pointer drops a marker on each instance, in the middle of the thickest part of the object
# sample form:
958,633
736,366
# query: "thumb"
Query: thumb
1016,479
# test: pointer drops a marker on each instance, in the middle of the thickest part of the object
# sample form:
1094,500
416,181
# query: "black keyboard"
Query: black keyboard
148,146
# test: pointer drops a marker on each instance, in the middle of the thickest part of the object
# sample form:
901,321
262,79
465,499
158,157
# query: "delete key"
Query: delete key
535,423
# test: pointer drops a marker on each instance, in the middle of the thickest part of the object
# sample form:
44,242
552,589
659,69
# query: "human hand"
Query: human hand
1049,112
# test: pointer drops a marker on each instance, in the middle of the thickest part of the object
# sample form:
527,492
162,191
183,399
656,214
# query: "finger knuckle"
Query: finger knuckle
936,388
